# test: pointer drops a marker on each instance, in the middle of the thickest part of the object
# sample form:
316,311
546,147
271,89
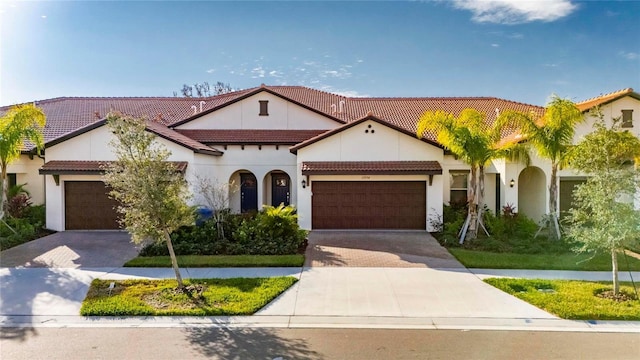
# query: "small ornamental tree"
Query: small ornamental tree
216,194
151,191
20,123
604,218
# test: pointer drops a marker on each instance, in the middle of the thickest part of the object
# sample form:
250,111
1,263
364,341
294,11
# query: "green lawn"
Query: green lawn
572,299
236,296
566,261
220,261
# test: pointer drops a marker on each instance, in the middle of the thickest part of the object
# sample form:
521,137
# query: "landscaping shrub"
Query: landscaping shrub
510,232
27,227
273,231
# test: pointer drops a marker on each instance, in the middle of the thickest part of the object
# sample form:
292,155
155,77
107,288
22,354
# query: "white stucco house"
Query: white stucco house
345,163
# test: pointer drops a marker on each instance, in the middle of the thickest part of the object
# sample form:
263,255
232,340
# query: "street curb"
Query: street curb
257,321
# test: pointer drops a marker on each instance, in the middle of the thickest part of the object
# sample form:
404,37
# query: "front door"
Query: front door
248,193
280,193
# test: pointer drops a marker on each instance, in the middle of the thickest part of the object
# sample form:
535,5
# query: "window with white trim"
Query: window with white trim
458,187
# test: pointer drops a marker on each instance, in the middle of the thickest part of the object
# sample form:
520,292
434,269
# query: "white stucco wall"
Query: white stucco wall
610,111
384,144
244,114
93,146
26,171
260,161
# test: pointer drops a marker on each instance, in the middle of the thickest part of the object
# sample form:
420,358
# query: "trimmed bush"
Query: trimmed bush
273,231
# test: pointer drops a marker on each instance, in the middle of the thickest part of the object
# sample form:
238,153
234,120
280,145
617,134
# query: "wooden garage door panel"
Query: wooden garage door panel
369,205
88,207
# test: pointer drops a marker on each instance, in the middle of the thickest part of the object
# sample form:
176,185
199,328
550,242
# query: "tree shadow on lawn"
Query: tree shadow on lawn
248,343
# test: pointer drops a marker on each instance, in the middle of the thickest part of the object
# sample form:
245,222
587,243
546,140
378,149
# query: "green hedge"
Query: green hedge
272,231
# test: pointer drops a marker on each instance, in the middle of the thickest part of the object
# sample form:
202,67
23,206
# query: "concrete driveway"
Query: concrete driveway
395,249
73,249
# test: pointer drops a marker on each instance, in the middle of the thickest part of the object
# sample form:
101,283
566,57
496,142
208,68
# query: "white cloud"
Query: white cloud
516,11
275,73
43,16
630,55
257,72
551,65
211,71
495,45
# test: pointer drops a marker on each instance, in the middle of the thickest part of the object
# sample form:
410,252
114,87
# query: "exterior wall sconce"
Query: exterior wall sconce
511,183
304,183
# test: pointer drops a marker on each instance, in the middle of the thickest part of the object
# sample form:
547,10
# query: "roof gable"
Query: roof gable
251,92
369,117
588,104
153,127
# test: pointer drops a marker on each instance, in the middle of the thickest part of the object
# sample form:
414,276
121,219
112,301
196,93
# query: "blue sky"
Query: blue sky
517,50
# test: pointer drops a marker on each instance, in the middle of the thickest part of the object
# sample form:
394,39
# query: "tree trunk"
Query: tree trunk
4,185
553,226
473,206
174,261
614,271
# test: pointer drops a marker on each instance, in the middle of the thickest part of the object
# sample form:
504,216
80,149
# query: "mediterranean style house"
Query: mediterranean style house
343,162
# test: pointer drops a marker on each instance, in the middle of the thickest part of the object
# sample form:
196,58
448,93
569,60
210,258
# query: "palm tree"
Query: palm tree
21,123
551,136
475,142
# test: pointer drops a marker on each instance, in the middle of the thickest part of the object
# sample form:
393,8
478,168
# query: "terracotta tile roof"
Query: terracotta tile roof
67,114
172,135
58,167
371,167
606,98
288,137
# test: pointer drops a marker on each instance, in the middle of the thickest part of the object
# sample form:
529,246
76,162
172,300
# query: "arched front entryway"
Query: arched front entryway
246,198
532,193
277,184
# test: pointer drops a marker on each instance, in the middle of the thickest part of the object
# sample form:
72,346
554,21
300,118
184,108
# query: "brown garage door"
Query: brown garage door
368,205
88,207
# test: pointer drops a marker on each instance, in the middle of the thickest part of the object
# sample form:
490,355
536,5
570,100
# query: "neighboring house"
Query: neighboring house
345,163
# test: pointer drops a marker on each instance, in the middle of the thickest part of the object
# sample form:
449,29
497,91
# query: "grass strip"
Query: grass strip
296,260
206,297
570,299
567,261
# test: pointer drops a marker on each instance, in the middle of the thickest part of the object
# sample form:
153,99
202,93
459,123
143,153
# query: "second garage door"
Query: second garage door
369,205
88,207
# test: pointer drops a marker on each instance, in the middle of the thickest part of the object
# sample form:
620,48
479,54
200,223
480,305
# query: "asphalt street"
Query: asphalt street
270,343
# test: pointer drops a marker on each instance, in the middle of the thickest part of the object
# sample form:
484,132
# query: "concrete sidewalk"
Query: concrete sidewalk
325,297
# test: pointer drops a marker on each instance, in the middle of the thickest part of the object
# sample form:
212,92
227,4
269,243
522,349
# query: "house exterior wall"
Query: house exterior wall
610,111
244,114
384,144
260,161
26,171
93,146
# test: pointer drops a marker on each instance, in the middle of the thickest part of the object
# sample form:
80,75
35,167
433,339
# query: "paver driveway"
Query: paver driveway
399,249
73,249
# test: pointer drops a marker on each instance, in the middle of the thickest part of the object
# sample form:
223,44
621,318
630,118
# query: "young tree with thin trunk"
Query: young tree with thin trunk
604,218
551,136
20,123
476,143
151,192
216,194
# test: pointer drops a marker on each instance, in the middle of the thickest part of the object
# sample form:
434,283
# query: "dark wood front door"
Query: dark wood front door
248,193
280,189
368,205
88,207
